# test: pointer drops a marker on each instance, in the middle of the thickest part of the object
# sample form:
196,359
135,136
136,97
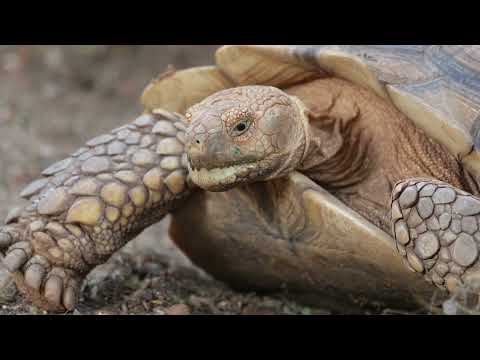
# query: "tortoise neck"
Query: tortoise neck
336,141
336,153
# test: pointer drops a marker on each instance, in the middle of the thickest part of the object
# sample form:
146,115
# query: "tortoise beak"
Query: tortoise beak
206,150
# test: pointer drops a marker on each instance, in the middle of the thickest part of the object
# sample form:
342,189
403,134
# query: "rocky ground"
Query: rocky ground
52,100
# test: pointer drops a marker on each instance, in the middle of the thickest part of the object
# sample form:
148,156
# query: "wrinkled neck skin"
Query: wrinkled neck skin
330,159
337,141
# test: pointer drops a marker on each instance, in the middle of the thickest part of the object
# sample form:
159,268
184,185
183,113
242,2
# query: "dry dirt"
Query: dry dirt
52,100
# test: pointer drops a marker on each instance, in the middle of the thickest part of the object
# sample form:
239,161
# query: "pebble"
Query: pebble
178,309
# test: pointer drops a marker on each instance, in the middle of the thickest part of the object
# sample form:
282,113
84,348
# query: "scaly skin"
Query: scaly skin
91,204
243,135
436,230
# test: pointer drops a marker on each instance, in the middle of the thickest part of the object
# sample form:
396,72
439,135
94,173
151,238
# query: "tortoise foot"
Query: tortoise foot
437,231
88,206
42,281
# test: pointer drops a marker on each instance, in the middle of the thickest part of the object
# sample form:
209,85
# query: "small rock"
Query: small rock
257,311
158,311
179,309
450,307
198,301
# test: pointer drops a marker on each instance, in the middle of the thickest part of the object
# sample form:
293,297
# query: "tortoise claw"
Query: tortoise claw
61,289
17,256
5,240
70,294
54,290
35,275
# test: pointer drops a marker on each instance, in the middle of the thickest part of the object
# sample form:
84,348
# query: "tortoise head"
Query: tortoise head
243,135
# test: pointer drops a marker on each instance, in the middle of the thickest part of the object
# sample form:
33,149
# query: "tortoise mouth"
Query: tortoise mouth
223,178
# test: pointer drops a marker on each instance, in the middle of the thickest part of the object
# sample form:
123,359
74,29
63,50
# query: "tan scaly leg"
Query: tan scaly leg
88,206
437,231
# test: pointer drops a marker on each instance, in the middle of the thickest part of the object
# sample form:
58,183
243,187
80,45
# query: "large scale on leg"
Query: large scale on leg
436,228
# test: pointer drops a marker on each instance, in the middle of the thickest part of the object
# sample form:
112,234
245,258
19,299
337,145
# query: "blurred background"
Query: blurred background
53,98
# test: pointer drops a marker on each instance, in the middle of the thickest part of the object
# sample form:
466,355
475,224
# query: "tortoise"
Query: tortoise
344,175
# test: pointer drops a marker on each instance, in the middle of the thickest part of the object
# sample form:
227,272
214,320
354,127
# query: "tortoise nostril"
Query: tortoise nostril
197,141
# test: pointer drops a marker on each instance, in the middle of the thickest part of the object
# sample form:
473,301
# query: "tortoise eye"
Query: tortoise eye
241,127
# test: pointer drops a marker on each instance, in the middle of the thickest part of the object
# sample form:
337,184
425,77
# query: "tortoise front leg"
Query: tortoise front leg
437,231
88,206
